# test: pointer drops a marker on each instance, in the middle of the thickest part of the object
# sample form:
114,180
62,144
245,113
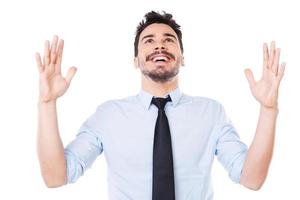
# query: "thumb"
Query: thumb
249,76
70,74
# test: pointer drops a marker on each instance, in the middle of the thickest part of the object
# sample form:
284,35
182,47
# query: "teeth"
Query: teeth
160,58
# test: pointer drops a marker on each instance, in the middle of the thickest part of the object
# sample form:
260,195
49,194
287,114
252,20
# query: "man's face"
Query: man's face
159,54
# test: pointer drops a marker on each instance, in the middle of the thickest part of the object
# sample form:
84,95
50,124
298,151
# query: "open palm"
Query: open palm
52,83
265,90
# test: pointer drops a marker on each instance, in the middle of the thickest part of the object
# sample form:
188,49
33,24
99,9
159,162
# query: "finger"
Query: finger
266,54
46,53
281,71
70,74
272,53
39,62
266,57
276,61
59,55
250,78
53,49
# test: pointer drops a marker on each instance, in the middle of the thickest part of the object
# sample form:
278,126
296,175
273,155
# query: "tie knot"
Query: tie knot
161,102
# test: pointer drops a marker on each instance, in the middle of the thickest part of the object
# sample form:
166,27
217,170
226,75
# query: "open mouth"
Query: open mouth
160,58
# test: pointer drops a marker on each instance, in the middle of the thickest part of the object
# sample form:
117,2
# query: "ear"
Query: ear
182,61
136,62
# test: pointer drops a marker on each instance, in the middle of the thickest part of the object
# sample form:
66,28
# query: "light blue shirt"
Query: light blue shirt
124,130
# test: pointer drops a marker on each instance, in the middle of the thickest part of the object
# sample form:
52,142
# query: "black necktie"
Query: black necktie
163,172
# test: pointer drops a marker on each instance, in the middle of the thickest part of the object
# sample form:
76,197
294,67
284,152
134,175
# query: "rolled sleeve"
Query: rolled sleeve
230,150
83,150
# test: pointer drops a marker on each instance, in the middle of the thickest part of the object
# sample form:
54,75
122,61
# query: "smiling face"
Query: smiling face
159,54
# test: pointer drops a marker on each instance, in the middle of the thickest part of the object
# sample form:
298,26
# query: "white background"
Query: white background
220,38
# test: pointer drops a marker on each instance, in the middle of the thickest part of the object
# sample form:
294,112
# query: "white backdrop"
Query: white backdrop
220,38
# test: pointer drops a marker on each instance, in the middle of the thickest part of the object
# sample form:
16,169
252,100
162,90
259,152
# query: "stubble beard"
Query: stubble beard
161,77
159,74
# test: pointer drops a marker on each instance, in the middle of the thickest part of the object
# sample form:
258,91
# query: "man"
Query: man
161,143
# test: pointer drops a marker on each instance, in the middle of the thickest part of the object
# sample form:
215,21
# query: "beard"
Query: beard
158,76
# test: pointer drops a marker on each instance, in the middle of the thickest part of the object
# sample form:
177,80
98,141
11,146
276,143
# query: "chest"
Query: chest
128,142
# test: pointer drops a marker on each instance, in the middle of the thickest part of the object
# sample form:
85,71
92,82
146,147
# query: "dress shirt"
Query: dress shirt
123,130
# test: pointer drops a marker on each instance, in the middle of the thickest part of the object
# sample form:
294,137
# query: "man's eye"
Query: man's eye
169,40
149,41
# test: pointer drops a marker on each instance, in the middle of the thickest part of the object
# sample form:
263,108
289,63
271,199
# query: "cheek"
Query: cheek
141,62
181,60
142,56
145,50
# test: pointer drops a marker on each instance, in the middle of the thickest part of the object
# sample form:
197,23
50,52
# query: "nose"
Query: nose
160,46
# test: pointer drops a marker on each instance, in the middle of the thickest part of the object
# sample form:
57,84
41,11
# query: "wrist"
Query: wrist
46,98
48,102
269,110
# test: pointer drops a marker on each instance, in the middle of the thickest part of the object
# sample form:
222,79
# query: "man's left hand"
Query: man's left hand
265,90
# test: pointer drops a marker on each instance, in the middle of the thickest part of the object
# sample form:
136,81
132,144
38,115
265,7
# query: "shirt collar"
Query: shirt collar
146,97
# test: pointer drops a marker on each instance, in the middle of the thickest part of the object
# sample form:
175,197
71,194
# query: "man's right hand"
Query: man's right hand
52,83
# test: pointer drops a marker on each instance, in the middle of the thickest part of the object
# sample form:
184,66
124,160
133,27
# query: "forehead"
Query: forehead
157,29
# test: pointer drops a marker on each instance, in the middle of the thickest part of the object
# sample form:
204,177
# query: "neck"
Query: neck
158,89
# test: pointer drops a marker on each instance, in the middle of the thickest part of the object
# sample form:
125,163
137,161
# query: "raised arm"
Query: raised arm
51,86
265,92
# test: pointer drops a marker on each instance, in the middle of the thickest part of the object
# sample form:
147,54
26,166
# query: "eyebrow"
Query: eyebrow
165,34
170,35
147,36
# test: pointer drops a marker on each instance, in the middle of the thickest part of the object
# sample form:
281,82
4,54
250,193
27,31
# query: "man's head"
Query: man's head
158,47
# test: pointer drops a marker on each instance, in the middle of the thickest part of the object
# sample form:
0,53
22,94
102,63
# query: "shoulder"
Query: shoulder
201,101
115,104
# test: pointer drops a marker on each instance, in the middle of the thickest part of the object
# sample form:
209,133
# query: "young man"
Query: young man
161,143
